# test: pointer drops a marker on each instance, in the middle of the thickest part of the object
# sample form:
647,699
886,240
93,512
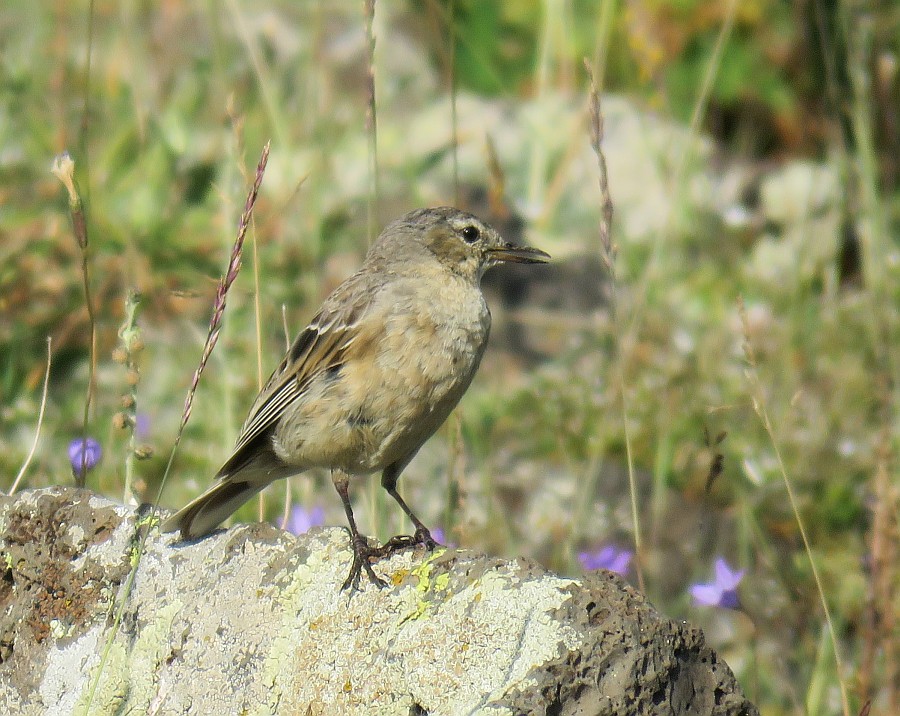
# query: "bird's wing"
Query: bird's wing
321,346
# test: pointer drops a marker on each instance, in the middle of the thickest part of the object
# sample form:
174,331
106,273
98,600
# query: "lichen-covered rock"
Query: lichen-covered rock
252,620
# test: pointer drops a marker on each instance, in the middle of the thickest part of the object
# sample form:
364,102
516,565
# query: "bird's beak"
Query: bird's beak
519,254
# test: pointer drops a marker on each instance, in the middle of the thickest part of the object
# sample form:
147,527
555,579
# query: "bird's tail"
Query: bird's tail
211,508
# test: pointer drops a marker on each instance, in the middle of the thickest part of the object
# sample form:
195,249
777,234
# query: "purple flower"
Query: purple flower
84,454
609,557
142,426
302,520
723,590
437,534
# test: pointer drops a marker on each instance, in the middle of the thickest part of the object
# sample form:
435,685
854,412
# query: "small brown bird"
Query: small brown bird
373,376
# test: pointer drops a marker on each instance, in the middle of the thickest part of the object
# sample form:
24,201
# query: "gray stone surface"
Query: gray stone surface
251,621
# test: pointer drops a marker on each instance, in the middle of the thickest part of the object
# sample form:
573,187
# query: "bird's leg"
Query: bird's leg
422,535
361,549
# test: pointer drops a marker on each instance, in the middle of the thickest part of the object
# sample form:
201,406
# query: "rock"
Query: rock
799,191
801,203
252,620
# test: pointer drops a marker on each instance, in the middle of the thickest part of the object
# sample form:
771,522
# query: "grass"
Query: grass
535,461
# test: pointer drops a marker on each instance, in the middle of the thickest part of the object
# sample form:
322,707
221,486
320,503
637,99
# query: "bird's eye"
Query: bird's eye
470,234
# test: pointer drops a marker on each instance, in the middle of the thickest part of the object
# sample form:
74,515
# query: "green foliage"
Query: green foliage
483,64
182,98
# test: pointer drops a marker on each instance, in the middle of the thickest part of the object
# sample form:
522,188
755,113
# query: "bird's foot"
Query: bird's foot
362,556
400,542
423,536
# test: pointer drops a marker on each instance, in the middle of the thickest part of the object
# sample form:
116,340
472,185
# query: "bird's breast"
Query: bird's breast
435,336
423,343
427,358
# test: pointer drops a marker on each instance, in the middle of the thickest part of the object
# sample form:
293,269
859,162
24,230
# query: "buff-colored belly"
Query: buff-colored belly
379,407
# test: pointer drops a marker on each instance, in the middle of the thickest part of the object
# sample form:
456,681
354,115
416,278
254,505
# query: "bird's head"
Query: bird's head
461,242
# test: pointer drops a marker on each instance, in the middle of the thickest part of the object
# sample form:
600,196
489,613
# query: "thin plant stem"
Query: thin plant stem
81,477
477,52
456,469
605,23
40,421
64,169
86,112
266,84
451,81
257,307
608,253
376,495
287,481
286,515
859,36
371,124
131,345
444,18
143,525
538,156
237,126
677,184
880,616
127,495
759,406
237,130
234,268
257,316
859,31
81,235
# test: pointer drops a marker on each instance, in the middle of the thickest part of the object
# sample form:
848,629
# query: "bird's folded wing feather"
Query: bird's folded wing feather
320,346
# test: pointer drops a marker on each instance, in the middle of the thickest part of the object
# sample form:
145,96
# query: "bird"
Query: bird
375,373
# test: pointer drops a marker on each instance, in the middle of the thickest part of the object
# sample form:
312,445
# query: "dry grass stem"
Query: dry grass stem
264,79
284,327
608,250
376,497
40,421
234,267
131,345
64,169
496,180
286,514
759,406
608,253
677,188
142,524
451,81
881,618
371,123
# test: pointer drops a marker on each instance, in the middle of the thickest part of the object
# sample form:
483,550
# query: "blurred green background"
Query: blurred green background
753,152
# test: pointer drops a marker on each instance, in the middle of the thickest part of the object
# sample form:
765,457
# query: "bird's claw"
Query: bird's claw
362,554
423,537
400,542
